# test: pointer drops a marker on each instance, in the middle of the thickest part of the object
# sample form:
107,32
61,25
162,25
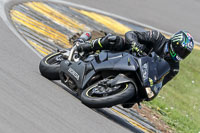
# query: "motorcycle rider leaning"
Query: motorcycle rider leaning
173,50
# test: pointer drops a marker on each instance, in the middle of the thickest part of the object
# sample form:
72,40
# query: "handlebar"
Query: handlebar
85,37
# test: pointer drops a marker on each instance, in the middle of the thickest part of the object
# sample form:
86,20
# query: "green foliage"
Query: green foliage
179,101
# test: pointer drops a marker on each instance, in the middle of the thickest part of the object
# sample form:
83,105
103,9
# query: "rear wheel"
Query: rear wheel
100,95
50,66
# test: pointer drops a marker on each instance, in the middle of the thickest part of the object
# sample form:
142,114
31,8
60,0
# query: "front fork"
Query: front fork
72,52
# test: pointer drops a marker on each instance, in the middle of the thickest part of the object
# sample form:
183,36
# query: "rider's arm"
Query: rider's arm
108,42
151,39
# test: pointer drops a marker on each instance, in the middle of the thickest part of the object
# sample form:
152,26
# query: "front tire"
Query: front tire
126,92
50,66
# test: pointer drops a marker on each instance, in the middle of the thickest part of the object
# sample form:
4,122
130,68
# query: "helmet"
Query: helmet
180,45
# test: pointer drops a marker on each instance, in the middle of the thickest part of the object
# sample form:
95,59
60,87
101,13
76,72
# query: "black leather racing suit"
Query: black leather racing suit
157,41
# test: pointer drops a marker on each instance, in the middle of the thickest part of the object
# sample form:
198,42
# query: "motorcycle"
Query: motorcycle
107,78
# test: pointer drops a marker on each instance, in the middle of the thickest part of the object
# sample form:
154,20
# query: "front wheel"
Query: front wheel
99,95
50,66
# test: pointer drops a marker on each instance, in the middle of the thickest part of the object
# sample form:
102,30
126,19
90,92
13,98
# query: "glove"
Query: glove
82,45
112,42
108,41
86,47
104,43
137,47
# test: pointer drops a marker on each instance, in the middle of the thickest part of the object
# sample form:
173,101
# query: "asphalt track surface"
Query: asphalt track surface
31,103
167,15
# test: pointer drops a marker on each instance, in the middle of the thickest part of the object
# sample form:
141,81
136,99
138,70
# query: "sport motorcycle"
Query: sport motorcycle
106,78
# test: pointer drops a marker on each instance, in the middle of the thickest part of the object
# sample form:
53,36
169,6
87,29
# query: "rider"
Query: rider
173,50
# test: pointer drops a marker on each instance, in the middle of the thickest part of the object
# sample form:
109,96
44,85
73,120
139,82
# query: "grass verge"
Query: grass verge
179,101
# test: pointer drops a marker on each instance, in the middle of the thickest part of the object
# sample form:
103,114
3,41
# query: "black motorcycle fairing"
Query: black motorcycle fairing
120,79
149,69
143,63
161,66
106,60
152,68
163,69
102,56
118,61
87,77
75,70
127,63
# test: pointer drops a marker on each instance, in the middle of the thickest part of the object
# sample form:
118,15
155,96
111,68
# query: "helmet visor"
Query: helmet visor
181,51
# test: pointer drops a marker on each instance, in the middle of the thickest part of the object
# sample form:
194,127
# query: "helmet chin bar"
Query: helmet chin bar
174,56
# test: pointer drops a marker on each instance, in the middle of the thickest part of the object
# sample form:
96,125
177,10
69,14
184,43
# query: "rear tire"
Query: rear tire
126,93
49,67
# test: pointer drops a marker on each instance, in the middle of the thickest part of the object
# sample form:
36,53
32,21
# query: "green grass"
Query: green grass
179,101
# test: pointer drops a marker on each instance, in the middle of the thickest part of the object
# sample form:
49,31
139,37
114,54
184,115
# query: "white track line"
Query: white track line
114,16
